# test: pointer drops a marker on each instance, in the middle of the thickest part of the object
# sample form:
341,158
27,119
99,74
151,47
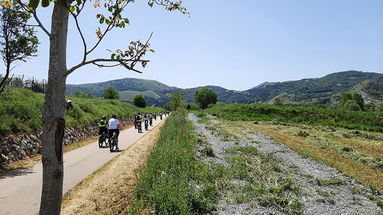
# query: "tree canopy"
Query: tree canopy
204,97
110,93
139,101
18,41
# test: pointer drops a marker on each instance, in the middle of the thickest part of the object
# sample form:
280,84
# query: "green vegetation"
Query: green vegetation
139,101
176,101
352,101
110,93
18,41
204,97
371,121
20,110
173,182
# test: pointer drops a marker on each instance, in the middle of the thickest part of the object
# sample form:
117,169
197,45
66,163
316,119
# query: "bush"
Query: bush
204,97
110,93
139,101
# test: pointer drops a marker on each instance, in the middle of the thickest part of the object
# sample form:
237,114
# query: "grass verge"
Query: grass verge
173,182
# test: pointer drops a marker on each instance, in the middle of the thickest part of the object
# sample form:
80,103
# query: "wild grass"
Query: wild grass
20,111
173,182
371,121
264,181
321,148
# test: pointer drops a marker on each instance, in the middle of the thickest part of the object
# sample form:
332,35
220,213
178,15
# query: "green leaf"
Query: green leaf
151,4
113,56
33,4
102,19
45,3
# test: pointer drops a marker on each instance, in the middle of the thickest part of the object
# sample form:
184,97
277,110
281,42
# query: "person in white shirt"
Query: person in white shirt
113,126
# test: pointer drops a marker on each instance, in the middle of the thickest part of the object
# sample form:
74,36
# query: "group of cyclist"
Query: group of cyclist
109,130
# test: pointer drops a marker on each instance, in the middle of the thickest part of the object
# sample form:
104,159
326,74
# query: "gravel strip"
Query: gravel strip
348,197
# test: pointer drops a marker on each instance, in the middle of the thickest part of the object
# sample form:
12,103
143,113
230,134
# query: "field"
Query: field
263,176
369,121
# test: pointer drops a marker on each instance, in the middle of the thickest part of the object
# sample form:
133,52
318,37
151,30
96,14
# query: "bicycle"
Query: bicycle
139,127
113,142
103,140
146,125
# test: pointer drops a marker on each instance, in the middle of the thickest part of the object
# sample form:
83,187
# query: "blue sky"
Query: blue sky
234,44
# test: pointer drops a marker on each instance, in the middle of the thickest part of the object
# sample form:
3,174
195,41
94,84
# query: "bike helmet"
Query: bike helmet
103,117
114,116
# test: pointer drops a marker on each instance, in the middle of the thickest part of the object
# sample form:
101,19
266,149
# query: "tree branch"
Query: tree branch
33,12
95,61
110,26
80,32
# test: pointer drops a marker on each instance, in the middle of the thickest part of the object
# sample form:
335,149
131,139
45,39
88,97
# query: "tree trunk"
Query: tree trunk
53,114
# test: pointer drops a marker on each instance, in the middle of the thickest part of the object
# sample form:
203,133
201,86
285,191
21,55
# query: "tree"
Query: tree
139,101
110,93
352,105
204,97
17,39
54,103
355,97
81,94
176,101
278,101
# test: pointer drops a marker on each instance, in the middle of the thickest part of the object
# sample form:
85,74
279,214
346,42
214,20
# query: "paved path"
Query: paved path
20,192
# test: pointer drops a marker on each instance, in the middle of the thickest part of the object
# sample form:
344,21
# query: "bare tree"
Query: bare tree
54,105
17,39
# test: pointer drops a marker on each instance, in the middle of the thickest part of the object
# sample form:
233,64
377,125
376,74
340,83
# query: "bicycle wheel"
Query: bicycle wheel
112,142
100,140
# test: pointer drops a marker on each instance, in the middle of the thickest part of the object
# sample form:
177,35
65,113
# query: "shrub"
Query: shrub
139,101
110,93
352,106
204,97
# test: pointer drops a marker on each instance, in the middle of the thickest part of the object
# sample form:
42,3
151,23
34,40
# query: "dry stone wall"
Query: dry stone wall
19,147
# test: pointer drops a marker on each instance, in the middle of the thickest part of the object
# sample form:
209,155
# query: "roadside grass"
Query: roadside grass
370,121
365,166
20,111
173,182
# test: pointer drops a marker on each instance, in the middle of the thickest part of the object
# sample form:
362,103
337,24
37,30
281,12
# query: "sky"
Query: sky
233,44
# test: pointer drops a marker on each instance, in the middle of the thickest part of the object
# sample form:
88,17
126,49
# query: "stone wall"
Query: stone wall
19,147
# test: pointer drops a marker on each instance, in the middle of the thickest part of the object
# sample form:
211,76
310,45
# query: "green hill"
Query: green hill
293,92
309,89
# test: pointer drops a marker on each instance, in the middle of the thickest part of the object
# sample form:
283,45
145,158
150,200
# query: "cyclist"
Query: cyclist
113,126
155,115
138,120
102,129
151,119
160,115
146,119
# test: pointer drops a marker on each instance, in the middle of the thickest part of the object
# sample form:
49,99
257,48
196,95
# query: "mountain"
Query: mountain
155,92
315,88
370,85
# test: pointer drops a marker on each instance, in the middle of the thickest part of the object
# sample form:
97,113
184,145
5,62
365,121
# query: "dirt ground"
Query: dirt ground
110,189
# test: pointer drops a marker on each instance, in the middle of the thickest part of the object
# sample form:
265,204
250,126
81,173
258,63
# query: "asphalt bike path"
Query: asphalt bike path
20,191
